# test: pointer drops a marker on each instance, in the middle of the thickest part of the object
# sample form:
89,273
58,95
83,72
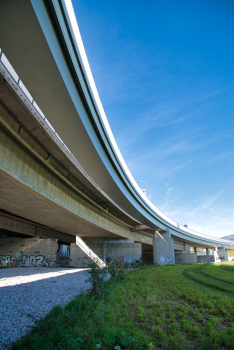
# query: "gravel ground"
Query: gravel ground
28,294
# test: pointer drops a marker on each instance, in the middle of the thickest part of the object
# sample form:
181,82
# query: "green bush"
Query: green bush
96,276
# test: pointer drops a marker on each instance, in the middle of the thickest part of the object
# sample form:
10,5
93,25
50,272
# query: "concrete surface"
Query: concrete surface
185,258
221,255
27,251
163,249
126,252
53,202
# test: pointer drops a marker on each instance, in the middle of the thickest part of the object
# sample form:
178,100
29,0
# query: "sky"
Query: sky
164,71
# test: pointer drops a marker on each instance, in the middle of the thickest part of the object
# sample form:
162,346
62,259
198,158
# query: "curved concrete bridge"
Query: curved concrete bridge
62,169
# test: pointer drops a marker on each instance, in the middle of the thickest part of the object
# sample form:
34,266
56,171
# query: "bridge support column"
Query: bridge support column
220,254
185,257
81,244
163,249
124,250
104,252
186,248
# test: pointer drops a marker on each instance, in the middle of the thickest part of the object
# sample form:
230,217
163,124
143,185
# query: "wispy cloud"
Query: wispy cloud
164,106
208,201
210,215
163,115
204,196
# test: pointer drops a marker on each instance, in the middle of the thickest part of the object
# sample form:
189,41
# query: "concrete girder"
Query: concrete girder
58,81
21,117
53,202
12,224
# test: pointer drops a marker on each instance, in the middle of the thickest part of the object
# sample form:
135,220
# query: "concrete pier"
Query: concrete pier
185,256
107,251
220,254
163,248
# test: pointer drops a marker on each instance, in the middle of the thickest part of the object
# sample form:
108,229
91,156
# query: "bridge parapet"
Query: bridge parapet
65,63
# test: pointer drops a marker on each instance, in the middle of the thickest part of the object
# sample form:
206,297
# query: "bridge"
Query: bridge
63,178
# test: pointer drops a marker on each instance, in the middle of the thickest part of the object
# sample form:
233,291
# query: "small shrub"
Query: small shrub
111,267
96,276
139,262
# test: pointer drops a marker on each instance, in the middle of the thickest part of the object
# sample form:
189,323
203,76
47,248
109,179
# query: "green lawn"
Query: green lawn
169,307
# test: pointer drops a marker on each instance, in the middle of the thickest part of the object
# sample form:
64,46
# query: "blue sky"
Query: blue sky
164,71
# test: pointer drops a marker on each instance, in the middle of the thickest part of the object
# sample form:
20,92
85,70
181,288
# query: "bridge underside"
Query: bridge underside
38,180
31,189
19,199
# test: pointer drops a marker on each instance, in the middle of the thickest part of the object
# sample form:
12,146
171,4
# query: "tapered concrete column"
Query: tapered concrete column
163,249
187,248
104,251
195,250
185,257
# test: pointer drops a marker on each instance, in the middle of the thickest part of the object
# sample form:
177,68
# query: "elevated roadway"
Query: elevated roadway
41,39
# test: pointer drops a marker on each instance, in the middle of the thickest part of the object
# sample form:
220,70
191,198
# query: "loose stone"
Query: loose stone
27,295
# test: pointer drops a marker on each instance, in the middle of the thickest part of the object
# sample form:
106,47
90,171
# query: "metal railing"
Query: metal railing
16,78
14,75
80,51
10,70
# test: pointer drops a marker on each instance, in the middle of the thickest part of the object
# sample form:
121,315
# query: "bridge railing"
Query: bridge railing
14,75
10,71
86,70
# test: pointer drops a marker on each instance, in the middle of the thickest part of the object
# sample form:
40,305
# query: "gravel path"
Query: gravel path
28,294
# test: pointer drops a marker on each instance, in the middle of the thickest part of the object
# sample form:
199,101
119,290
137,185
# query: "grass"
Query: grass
169,307
221,272
214,276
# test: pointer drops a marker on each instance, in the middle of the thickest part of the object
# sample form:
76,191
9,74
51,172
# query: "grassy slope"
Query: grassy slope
170,307
222,272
